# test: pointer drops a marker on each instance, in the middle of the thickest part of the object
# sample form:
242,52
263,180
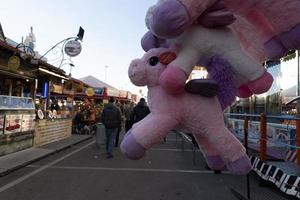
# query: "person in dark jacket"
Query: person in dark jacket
140,111
111,118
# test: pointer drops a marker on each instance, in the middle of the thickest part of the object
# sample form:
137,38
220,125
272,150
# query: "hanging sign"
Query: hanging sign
90,92
73,48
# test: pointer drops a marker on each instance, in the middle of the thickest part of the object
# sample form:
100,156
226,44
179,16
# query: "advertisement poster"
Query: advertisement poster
28,122
1,124
13,124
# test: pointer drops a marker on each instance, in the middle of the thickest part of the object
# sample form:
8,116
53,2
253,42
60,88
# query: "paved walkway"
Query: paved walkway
20,159
82,172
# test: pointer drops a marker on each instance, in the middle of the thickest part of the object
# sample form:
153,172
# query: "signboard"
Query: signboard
1,124
13,124
113,92
122,93
129,95
28,122
73,48
13,62
56,88
89,92
99,91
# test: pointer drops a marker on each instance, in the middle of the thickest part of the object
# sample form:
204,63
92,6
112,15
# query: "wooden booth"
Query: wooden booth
17,91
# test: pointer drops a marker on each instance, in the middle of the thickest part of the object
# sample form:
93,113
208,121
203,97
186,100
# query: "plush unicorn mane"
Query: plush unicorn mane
220,71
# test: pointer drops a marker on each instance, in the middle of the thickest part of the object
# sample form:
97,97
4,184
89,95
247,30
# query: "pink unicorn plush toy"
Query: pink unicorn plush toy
275,23
265,29
197,44
196,114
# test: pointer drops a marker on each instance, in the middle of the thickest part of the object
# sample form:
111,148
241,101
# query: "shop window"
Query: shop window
5,86
17,88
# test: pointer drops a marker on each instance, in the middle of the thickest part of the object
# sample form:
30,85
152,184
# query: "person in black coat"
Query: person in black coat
140,111
111,118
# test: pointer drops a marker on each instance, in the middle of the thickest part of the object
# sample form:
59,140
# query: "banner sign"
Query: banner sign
28,122
13,124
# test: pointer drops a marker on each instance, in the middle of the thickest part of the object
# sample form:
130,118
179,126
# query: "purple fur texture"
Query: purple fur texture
131,148
220,71
241,166
215,162
275,49
291,39
169,19
150,41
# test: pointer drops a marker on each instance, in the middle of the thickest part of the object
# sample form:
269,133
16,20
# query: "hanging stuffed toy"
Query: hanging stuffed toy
195,46
275,23
265,29
201,116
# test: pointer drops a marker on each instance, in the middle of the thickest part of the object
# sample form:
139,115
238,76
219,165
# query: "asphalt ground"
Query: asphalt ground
82,172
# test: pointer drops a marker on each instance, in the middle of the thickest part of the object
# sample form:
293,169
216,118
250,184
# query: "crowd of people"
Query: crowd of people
114,115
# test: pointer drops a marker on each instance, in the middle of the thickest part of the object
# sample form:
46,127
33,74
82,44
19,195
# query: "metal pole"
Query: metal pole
298,141
298,80
246,125
263,137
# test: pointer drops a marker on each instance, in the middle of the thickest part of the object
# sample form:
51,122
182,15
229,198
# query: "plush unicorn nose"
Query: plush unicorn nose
132,68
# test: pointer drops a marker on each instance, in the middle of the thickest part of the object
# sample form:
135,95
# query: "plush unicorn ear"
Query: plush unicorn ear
167,57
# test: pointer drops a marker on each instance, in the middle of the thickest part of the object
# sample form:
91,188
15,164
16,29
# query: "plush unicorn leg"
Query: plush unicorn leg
231,150
143,135
212,155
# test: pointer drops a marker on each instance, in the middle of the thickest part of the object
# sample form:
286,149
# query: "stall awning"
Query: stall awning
16,75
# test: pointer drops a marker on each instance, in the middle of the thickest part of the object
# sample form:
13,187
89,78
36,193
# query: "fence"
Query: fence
276,140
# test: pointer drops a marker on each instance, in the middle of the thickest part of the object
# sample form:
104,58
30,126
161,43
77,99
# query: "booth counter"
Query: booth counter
17,123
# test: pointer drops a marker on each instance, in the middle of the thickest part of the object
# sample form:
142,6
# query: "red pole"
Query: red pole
246,125
263,137
298,140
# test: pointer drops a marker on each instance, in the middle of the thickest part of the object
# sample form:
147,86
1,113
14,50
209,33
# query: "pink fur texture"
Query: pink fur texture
196,44
267,29
201,116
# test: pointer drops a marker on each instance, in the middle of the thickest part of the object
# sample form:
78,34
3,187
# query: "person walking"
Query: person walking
120,106
111,118
140,111
127,113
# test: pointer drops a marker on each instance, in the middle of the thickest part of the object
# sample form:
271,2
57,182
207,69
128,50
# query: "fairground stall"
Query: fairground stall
17,91
54,121
88,104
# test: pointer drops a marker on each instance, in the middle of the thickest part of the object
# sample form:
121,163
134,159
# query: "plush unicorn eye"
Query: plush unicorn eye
153,60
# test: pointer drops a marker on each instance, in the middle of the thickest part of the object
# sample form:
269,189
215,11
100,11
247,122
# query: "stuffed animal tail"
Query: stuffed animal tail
220,71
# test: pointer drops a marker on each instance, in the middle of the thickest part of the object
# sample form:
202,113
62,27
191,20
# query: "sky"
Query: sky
113,30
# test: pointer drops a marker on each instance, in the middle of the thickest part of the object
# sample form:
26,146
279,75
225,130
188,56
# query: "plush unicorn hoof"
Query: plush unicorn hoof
173,80
275,49
203,87
169,19
244,92
150,41
131,148
215,162
241,166
262,84
291,39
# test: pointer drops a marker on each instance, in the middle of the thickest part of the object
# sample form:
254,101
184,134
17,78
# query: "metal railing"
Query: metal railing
185,137
263,132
